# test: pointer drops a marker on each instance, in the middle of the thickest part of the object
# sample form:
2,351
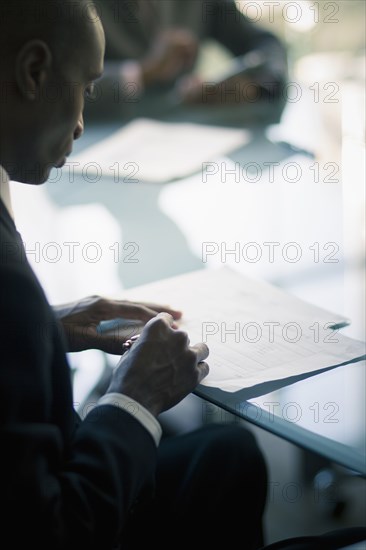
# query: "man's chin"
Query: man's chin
36,175
34,180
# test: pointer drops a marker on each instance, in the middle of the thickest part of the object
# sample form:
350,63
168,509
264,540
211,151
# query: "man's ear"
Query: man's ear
33,64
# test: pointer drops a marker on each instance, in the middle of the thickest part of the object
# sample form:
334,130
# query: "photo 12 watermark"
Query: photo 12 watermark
243,90
53,252
269,332
253,252
316,412
273,12
269,172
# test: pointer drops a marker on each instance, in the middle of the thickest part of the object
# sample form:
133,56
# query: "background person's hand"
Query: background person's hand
161,368
173,53
80,322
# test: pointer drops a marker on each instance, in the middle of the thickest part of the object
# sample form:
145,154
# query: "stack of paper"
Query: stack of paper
255,332
147,150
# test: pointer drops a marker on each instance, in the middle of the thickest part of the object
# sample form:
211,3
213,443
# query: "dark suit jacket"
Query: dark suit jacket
64,483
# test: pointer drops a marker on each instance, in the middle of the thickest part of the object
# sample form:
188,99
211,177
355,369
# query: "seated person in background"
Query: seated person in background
105,481
154,45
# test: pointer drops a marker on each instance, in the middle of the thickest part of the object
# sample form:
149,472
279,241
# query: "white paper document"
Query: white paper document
152,151
255,331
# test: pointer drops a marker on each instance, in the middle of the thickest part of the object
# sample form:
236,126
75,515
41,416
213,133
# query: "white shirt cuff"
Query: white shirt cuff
135,409
5,191
130,73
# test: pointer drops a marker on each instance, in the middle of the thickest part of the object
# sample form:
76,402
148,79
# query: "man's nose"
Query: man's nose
79,130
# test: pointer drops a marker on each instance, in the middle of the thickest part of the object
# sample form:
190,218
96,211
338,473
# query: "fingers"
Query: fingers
202,351
181,39
161,327
203,370
145,312
158,308
129,310
140,311
164,321
161,321
114,343
101,309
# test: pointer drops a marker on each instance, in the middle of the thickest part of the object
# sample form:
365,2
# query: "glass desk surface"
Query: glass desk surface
324,413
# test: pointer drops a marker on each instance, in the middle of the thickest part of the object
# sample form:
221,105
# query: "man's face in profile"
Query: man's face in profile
62,119
46,113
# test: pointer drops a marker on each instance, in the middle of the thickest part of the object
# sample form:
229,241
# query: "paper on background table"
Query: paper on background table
212,300
162,151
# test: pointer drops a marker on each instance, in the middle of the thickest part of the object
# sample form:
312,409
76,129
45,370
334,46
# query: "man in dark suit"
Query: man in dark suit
67,483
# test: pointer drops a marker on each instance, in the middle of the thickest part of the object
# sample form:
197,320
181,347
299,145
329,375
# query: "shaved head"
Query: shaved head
60,23
51,53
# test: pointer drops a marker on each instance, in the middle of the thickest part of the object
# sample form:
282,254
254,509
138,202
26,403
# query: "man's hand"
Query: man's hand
161,368
173,53
81,319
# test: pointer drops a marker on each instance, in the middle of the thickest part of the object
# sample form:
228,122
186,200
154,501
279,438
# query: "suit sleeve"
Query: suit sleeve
239,35
62,486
